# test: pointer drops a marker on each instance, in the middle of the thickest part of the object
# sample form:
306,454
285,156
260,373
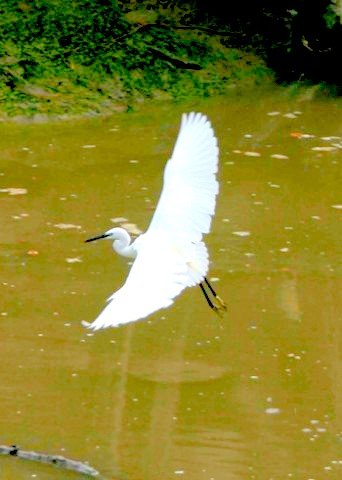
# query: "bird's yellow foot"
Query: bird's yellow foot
219,310
221,304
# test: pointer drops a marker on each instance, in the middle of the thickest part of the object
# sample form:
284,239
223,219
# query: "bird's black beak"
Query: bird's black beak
104,235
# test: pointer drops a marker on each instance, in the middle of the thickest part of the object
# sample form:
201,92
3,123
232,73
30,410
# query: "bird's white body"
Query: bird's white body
170,255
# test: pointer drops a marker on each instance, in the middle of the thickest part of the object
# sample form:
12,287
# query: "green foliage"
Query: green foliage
331,18
74,55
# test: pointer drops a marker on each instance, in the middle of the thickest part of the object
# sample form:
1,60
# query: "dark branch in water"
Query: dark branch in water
175,61
209,31
57,460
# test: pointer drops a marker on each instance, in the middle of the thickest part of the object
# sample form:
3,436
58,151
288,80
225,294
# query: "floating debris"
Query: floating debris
14,191
119,219
301,135
338,207
252,154
67,226
55,460
272,411
308,135
290,115
324,149
273,114
129,226
32,253
73,260
132,228
241,233
329,139
279,156
88,146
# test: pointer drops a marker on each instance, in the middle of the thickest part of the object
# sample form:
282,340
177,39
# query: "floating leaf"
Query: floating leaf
296,134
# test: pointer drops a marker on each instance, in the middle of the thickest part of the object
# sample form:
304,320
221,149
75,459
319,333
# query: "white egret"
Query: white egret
170,255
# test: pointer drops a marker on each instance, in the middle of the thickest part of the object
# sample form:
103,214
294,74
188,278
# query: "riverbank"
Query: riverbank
63,61
219,70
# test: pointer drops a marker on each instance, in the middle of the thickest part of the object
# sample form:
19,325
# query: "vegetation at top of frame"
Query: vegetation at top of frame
62,57
76,56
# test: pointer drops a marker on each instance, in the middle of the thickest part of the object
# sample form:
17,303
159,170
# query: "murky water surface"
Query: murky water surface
184,394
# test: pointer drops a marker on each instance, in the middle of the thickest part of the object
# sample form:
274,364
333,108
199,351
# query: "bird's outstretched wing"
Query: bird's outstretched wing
188,197
160,272
171,255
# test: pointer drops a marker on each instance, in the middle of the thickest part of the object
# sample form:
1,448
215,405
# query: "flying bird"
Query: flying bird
171,254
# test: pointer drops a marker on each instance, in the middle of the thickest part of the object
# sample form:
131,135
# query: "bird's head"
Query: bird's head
112,234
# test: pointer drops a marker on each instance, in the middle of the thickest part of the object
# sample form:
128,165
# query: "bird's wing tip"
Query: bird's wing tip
194,117
88,325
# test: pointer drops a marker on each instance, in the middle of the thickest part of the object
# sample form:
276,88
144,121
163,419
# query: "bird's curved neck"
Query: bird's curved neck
122,243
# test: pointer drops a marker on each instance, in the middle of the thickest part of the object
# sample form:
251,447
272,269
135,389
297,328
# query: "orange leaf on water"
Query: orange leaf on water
296,134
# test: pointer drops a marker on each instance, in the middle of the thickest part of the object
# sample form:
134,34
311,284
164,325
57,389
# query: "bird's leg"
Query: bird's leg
221,303
210,303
